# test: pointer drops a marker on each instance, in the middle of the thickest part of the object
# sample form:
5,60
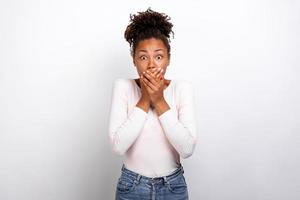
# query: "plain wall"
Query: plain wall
58,61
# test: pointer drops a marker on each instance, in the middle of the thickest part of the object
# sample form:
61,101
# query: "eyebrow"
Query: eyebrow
142,50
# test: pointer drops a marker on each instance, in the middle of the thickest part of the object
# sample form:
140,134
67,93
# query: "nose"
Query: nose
151,64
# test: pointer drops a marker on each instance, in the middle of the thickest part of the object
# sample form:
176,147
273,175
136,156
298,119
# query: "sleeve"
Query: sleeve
181,130
124,127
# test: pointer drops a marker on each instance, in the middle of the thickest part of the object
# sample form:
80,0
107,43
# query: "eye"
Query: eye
159,57
143,57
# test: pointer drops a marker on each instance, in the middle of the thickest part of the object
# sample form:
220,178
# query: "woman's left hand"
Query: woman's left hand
154,82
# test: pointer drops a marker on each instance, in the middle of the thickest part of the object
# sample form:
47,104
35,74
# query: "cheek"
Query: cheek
141,65
140,70
163,64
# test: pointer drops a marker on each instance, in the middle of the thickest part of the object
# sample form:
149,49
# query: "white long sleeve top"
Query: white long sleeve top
152,144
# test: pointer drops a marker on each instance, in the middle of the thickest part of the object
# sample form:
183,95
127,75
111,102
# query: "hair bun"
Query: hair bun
148,21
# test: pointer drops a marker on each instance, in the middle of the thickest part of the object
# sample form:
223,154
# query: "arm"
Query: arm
181,130
124,127
161,107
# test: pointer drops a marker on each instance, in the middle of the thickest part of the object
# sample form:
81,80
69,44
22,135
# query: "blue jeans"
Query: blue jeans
133,186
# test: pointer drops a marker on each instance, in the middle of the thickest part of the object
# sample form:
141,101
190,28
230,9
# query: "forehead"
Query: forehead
151,44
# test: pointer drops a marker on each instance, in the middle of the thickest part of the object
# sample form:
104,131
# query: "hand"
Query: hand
145,96
153,82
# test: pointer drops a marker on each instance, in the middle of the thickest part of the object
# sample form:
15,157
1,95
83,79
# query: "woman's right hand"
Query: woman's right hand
144,102
145,96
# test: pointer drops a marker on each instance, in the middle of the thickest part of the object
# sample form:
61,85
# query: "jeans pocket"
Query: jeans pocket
178,185
125,185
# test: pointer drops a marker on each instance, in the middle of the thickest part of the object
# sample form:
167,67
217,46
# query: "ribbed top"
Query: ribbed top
152,145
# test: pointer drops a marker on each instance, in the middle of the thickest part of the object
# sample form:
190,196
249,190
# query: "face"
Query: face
151,53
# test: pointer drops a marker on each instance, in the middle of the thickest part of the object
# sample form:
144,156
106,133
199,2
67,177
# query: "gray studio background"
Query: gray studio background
58,60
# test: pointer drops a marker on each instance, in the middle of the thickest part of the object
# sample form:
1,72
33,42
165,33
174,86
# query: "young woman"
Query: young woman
152,119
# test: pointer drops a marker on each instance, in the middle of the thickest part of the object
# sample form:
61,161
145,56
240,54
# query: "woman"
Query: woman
152,120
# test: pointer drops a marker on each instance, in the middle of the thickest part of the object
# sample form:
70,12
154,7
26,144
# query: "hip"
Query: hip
132,185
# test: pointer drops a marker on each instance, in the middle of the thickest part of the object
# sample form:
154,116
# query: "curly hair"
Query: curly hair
148,24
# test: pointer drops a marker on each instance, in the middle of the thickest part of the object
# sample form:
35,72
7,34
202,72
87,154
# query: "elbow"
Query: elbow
186,154
116,147
189,150
117,150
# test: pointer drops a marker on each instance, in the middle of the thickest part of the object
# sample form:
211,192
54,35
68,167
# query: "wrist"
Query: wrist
145,105
145,100
159,102
161,106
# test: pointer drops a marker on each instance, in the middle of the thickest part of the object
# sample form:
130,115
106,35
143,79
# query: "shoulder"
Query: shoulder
183,89
122,86
123,82
181,84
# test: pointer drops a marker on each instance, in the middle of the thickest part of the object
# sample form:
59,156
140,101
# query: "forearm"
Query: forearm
182,135
123,135
161,107
144,105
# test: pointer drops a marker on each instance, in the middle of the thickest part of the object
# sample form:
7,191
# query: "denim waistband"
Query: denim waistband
166,178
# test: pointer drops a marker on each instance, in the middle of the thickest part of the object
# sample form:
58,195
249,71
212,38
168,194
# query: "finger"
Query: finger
151,78
149,83
146,83
159,77
162,81
159,72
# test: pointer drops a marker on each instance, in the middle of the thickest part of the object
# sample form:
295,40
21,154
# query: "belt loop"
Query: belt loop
181,167
165,180
138,178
